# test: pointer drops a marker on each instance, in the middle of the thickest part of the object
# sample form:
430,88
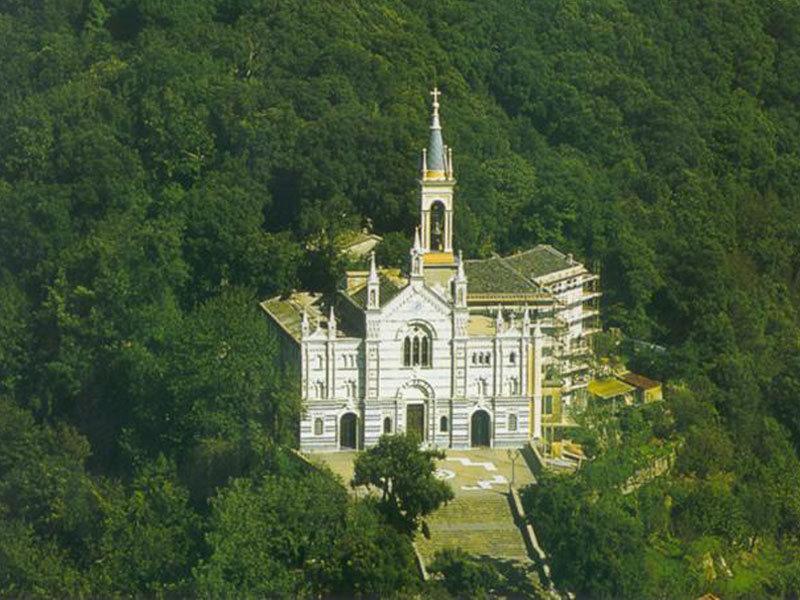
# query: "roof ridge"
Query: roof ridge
553,250
521,252
354,290
517,273
350,299
539,247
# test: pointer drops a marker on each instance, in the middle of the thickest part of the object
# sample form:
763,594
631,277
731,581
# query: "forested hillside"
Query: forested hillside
164,164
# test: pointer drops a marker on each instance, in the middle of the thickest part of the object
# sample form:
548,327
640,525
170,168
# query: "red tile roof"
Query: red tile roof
639,381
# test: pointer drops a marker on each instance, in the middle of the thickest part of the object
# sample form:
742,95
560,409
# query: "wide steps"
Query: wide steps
479,523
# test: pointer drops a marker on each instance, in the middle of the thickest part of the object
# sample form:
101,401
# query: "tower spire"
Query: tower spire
436,157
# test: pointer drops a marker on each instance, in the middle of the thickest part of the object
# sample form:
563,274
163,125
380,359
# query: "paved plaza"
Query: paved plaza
469,472
479,519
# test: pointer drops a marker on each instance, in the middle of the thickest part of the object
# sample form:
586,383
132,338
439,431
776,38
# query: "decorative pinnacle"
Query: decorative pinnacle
331,320
499,318
449,162
373,271
417,244
460,274
537,330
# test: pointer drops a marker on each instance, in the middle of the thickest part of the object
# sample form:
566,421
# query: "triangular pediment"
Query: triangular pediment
418,299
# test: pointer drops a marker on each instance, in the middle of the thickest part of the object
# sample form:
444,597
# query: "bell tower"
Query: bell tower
436,194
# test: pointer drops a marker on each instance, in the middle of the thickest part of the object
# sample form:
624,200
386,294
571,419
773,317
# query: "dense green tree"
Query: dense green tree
149,541
465,576
263,535
404,475
223,378
370,557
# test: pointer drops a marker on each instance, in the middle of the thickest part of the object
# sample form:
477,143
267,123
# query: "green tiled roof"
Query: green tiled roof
388,290
495,276
288,312
539,261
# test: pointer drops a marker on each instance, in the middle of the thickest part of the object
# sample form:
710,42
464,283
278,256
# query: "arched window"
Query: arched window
319,361
373,298
512,422
474,358
387,425
512,358
417,348
319,389
444,425
481,387
513,386
319,426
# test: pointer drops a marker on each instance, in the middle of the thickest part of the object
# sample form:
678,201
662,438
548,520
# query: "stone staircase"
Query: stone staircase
480,523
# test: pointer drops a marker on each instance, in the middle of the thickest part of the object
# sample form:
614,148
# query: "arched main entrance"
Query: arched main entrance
348,431
481,428
416,395
415,421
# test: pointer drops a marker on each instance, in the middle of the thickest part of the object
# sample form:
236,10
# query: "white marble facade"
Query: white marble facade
370,379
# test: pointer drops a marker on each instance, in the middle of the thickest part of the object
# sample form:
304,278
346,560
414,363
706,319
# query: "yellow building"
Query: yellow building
647,390
612,390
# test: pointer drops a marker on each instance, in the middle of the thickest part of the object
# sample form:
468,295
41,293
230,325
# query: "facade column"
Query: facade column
426,229
330,383
537,374
448,238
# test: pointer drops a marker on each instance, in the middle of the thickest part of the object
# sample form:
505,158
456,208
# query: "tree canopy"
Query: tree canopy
405,476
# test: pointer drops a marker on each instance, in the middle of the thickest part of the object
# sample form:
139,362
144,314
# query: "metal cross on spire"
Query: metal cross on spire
435,93
435,120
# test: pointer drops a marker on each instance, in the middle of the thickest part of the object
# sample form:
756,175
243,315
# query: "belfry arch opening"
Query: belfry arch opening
438,226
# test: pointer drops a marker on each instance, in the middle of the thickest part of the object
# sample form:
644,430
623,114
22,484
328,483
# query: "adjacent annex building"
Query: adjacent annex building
461,353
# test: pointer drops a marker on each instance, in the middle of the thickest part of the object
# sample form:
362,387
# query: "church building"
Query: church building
460,352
